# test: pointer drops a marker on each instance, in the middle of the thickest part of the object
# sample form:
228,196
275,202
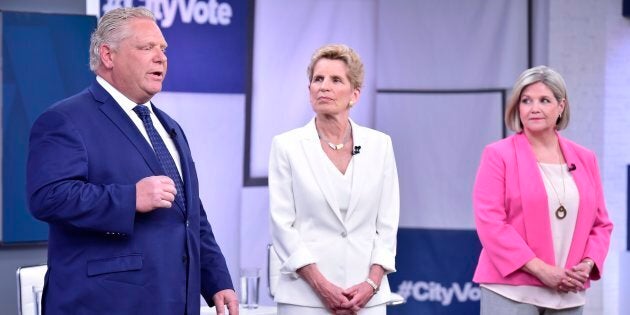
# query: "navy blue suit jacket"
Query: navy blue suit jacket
85,157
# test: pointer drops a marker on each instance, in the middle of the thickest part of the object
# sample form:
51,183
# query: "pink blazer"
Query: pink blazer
512,215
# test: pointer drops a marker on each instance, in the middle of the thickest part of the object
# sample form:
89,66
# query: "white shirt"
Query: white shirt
562,234
127,105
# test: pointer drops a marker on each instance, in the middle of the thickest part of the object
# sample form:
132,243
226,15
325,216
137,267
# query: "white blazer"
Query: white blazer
307,225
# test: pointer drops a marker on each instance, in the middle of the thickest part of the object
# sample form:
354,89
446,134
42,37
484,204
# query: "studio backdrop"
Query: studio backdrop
44,58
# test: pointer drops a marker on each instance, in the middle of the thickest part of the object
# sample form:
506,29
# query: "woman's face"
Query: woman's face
330,89
539,109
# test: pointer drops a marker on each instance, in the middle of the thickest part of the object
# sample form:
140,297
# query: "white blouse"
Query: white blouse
342,185
562,233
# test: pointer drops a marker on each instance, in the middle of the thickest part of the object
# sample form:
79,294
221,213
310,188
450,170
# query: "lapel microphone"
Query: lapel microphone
357,150
572,167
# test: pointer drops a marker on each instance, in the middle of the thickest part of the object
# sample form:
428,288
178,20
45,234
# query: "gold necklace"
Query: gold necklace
336,146
561,212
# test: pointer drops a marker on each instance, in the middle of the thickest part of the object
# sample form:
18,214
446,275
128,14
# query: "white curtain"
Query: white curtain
443,69
287,32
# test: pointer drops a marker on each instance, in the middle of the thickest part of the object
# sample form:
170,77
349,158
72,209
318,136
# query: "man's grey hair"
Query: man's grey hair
112,29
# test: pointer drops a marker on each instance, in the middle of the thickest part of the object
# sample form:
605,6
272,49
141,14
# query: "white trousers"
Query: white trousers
290,309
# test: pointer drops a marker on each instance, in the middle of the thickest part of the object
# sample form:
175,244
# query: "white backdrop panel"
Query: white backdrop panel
438,140
450,44
214,126
287,32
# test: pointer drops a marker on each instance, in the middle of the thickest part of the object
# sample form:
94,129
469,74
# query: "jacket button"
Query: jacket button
344,234
184,259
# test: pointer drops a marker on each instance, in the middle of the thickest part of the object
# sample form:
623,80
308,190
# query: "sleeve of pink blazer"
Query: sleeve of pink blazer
505,247
599,238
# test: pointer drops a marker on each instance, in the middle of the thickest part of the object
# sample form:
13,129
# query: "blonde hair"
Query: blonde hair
550,78
339,52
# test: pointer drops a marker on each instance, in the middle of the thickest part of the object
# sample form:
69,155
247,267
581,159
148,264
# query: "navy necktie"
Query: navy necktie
161,152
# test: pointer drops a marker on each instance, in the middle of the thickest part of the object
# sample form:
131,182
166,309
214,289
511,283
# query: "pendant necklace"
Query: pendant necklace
561,212
336,146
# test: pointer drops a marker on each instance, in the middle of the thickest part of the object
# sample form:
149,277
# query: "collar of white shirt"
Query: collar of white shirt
124,102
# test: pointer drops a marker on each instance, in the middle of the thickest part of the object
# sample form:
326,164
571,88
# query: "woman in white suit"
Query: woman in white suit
334,200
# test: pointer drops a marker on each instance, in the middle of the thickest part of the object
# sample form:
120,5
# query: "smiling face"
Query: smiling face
137,65
330,89
539,109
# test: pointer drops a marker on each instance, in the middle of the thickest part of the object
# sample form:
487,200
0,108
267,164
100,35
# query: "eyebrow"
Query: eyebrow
153,44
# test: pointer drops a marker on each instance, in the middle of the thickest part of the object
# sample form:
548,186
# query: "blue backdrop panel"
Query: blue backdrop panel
208,42
44,59
435,270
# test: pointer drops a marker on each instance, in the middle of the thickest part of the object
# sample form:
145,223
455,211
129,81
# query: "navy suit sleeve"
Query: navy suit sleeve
57,181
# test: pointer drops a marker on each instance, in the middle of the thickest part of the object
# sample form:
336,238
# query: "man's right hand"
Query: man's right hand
154,192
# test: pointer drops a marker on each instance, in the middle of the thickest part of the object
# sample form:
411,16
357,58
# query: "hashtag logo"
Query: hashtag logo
115,4
404,289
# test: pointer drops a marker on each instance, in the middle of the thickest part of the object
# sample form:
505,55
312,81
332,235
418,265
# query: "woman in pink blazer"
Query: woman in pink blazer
539,207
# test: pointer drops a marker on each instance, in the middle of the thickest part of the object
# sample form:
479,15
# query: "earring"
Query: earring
560,115
350,104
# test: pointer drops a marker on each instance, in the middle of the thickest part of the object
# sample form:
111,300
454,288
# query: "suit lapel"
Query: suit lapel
360,166
534,200
316,158
584,187
116,114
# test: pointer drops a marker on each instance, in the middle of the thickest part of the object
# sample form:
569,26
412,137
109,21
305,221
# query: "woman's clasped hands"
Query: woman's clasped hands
563,280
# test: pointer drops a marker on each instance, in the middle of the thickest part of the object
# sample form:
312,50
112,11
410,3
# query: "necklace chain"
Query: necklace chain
336,146
561,212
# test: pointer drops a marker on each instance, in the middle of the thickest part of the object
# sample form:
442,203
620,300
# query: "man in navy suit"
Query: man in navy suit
128,232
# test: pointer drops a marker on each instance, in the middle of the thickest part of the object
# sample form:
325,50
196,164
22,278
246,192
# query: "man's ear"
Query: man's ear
106,54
